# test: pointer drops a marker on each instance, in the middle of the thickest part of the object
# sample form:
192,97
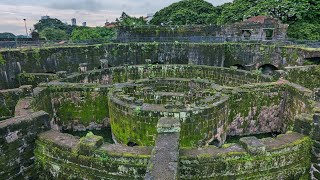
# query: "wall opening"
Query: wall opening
239,66
105,132
215,142
235,139
268,34
246,34
158,62
100,67
50,72
132,144
268,69
312,61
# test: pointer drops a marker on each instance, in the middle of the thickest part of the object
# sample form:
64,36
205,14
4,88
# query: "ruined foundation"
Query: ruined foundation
185,118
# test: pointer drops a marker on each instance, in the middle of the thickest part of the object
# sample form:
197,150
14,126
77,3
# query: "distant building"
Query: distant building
45,17
149,17
73,21
84,24
110,24
257,28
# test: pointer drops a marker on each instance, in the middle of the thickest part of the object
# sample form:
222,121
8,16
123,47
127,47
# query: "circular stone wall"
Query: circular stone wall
135,109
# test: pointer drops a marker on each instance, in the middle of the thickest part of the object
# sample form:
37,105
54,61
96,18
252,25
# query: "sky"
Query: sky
94,12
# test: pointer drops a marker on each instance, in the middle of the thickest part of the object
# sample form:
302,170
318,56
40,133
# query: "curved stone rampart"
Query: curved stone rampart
285,157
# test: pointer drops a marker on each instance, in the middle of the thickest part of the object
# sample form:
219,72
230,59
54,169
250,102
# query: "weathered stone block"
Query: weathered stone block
89,144
104,63
253,145
316,118
316,174
303,124
62,74
83,67
17,144
168,125
316,133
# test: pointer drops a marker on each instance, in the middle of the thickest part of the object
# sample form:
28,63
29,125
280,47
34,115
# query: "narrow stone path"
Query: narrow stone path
164,160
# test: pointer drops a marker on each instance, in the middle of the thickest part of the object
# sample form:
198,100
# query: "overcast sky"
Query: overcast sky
94,12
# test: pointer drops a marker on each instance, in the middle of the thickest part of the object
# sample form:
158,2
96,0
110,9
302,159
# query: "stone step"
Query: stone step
23,107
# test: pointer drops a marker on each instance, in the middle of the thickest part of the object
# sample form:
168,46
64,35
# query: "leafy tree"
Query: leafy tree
86,33
7,35
302,15
53,34
186,12
53,23
126,20
304,30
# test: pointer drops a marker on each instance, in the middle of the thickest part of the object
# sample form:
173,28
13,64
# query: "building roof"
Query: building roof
257,19
110,25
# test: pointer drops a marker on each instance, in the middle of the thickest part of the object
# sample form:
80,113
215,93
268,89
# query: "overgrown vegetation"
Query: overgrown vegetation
53,34
126,20
302,15
86,33
54,29
186,12
2,60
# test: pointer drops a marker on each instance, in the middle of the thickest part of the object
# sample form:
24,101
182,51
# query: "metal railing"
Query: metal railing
186,39
214,39
40,44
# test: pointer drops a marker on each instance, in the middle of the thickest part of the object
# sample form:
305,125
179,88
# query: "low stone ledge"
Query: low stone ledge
122,150
36,78
287,156
62,140
23,107
253,145
168,125
283,141
89,144
40,117
57,158
303,124
211,151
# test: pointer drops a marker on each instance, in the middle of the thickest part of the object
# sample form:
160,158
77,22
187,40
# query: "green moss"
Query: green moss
92,108
2,60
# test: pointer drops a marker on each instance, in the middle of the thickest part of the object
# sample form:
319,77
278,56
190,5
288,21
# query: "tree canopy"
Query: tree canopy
53,34
7,35
97,33
288,11
51,24
126,20
186,12
302,15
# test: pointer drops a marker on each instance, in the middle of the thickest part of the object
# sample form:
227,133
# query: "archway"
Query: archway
268,69
239,66
158,62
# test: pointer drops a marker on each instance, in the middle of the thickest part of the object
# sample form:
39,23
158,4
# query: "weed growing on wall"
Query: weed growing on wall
2,60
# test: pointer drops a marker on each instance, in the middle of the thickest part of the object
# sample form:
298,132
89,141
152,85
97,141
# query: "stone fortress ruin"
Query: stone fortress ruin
160,111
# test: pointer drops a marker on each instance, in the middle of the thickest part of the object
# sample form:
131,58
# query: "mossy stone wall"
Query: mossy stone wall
280,161
68,58
9,99
46,60
17,142
219,75
74,104
57,159
285,157
306,76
